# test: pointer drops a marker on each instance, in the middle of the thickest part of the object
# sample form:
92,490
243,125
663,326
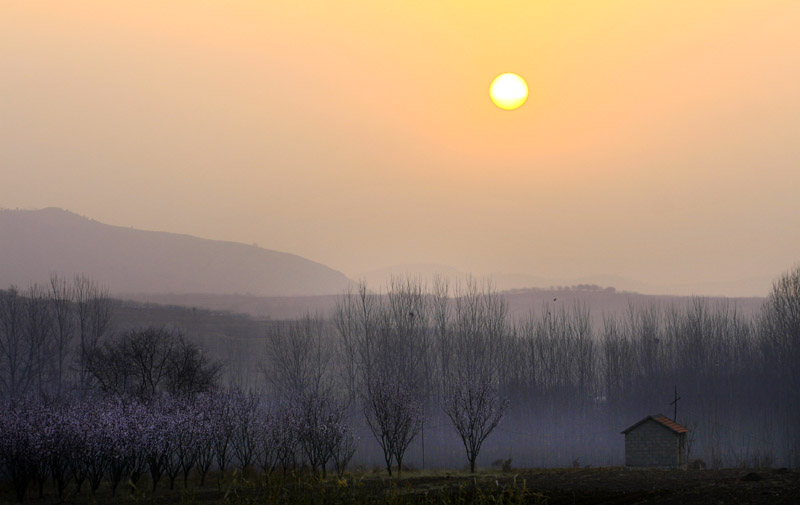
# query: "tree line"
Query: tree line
86,442
57,342
565,383
384,367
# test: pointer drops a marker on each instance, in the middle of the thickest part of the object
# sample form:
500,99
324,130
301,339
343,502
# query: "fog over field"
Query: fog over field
568,378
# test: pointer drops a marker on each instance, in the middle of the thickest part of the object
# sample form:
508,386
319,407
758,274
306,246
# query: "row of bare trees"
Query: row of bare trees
46,334
395,359
144,363
57,342
411,354
407,360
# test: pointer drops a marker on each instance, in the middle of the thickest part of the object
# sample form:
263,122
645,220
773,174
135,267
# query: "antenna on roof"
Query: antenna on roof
675,403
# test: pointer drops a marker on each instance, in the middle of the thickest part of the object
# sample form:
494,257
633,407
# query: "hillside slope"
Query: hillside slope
35,243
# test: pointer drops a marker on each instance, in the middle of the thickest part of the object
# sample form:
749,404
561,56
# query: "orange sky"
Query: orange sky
660,140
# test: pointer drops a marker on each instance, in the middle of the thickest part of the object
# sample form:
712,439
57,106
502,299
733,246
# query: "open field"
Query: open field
612,485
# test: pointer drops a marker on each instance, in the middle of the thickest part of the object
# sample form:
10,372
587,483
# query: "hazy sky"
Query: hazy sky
661,140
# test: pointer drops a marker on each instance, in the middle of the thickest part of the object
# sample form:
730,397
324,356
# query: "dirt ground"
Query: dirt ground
580,486
620,486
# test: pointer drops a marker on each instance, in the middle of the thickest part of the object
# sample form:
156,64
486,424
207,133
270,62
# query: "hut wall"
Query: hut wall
651,445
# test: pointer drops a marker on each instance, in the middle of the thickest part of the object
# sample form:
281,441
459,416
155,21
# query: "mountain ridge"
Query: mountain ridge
34,243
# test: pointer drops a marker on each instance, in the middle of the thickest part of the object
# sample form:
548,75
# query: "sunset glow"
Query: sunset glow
364,122
341,241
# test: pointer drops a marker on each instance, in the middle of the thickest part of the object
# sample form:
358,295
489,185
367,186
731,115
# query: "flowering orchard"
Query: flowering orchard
84,444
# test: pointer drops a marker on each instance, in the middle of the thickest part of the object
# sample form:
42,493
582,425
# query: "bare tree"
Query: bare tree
245,438
385,342
146,361
385,335
190,370
321,429
404,336
148,352
617,352
61,303
779,326
472,398
39,332
394,417
13,352
441,323
93,310
356,319
25,331
298,357
475,409
344,447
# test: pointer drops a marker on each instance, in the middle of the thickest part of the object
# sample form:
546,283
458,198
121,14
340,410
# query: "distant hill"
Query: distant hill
503,281
380,279
35,243
261,307
426,272
608,301
521,302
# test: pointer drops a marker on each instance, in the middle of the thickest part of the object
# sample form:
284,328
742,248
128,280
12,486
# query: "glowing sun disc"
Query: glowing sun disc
508,91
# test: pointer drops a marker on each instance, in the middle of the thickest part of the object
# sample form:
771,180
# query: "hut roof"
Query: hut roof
664,421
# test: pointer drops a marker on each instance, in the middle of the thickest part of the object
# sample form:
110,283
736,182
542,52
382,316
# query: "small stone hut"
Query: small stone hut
655,441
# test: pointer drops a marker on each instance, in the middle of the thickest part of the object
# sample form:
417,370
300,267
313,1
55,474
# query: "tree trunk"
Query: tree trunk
389,465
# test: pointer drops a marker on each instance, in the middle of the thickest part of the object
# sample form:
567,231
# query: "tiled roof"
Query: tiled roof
664,421
669,423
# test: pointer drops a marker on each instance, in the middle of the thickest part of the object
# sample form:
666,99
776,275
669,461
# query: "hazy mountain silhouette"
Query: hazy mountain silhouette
33,244
501,281
379,279
600,301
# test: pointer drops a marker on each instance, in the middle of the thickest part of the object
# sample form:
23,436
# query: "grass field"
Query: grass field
612,485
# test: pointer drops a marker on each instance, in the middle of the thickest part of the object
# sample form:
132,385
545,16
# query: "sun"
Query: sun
508,91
